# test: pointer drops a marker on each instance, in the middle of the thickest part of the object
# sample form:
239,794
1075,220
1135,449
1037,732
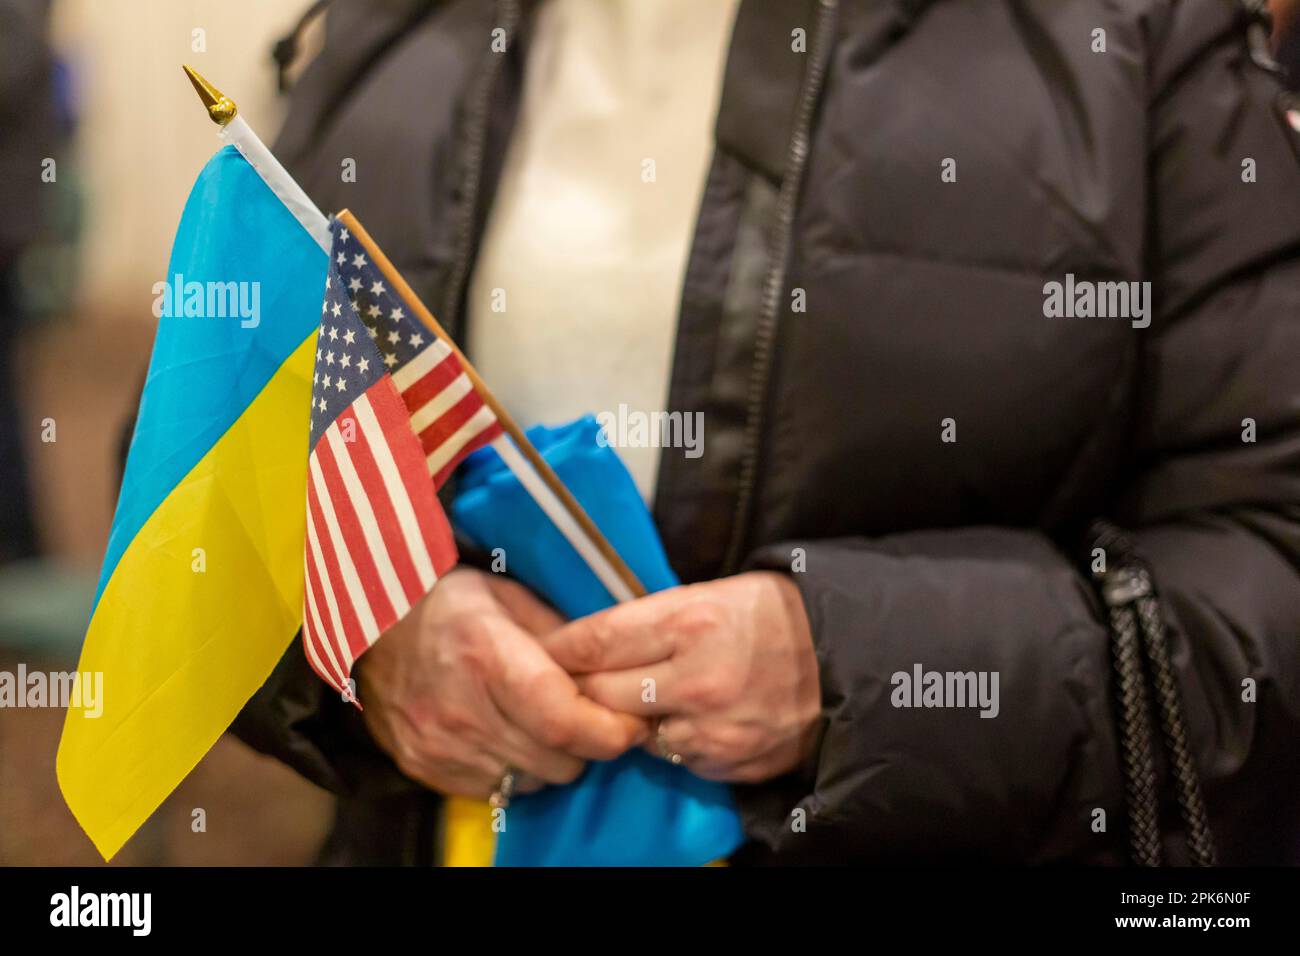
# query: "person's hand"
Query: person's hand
727,667
460,690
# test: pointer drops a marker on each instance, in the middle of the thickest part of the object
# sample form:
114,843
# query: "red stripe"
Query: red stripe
314,587
309,643
414,471
438,538
489,434
423,389
309,640
446,424
349,520
347,615
363,460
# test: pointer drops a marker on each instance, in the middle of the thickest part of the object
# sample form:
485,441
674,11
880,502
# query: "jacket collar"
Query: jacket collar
760,87
356,34
764,73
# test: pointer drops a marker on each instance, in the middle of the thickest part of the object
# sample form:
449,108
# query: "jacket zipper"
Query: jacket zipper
774,281
476,133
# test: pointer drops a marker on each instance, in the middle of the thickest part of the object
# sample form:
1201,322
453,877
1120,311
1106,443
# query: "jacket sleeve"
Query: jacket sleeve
1212,501
300,720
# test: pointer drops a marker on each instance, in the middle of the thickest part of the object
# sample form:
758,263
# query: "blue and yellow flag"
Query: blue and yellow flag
201,588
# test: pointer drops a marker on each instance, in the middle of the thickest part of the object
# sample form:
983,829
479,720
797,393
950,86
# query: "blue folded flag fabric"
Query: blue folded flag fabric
637,810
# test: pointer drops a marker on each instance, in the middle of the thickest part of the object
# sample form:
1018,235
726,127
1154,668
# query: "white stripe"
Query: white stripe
383,456
351,580
340,636
369,524
337,667
318,626
309,639
560,517
241,136
440,404
478,422
421,365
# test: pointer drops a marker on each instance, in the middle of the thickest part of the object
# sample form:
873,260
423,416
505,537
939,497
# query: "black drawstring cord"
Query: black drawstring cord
1127,589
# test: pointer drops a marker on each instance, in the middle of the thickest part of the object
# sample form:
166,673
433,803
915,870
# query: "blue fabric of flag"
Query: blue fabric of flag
206,371
637,810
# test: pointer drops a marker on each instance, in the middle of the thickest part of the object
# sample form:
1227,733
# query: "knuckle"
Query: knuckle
457,588
408,759
589,644
723,739
713,689
469,645
711,744
737,741
607,746
698,620
455,719
426,748
626,737
556,731
467,631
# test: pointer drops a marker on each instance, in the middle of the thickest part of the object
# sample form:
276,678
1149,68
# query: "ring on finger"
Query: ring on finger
505,789
665,751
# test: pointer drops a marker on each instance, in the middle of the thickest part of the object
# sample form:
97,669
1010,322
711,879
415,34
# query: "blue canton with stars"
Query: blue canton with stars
347,361
365,331
397,334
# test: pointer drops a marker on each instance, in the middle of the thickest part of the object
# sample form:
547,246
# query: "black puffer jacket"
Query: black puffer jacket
924,321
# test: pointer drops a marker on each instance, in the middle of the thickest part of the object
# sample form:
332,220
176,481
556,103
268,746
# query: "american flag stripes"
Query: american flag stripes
391,408
447,413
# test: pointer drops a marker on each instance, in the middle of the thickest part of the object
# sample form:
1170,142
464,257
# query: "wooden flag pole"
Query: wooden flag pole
533,456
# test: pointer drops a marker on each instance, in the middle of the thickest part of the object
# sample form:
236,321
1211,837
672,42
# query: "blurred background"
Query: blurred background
96,86
100,140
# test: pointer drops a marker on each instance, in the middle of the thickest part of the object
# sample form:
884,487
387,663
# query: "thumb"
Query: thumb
628,635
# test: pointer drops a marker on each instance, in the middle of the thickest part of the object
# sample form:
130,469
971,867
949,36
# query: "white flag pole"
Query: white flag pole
560,517
239,134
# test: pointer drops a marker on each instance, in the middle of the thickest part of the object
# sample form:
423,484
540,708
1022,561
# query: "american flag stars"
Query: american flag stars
339,362
346,360
381,311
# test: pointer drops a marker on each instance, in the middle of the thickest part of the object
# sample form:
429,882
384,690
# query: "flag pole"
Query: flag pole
552,485
519,454
236,132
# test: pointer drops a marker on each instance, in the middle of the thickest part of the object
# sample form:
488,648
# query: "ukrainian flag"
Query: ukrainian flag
201,587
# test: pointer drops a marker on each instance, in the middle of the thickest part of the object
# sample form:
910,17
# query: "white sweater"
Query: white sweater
573,302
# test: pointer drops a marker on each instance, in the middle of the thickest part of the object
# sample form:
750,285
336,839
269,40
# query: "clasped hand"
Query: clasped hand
482,677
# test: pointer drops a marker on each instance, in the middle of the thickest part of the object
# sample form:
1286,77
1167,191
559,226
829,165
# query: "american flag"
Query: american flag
446,411
391,407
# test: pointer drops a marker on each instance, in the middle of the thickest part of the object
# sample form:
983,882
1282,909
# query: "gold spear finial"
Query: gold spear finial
220,107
